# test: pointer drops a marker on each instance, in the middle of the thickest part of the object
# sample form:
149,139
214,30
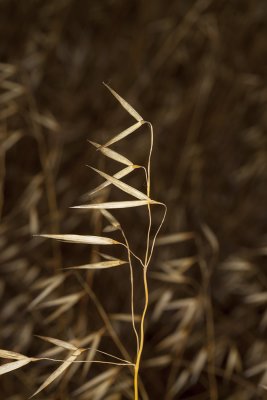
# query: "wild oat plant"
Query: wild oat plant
79,353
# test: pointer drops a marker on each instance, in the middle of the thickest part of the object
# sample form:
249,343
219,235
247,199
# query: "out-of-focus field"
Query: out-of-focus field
197,70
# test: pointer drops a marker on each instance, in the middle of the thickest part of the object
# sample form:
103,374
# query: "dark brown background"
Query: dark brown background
197,71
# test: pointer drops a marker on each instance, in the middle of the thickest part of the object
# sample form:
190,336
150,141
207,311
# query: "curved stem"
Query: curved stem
132,289
147,257
157,232
139,354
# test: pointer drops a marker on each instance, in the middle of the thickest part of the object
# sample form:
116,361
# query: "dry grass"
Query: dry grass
197,70
63,304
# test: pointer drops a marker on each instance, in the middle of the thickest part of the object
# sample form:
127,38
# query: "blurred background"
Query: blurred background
197,70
